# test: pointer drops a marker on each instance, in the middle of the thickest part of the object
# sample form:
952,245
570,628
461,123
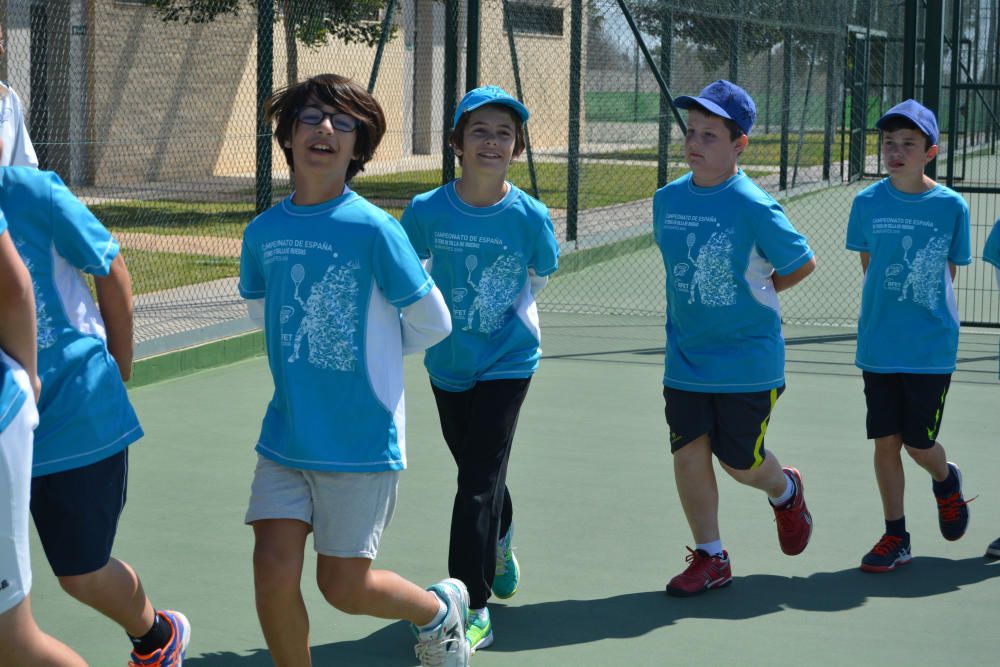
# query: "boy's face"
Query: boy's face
321,148
488,140
904,154
708,150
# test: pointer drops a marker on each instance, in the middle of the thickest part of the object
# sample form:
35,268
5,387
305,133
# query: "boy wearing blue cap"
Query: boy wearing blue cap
86,422
728,249
22,642
490,246
342,297
911,233
991,254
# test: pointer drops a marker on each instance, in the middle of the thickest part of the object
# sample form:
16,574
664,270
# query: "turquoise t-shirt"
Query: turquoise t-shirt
909,318
84,412
719,247
333,277
991,251
479,258
11,396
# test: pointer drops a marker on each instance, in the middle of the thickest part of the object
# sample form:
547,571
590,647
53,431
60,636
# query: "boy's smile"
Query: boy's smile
488,140
709,151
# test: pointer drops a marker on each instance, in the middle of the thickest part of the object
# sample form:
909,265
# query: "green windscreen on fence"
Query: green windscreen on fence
148,110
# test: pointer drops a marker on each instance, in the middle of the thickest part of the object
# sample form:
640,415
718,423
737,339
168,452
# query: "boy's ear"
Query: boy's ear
741,142
932,152
286,143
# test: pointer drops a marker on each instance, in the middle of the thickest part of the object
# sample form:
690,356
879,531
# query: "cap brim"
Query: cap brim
686,102
520,109
896,114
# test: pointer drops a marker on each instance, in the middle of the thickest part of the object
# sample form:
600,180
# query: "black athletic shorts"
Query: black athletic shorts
910,404
735,423
76,514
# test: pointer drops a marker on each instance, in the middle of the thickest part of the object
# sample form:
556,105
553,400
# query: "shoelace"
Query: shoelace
887,544
950,508
695,559
433,652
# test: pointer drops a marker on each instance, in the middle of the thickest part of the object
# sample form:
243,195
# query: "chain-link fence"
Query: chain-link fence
154,122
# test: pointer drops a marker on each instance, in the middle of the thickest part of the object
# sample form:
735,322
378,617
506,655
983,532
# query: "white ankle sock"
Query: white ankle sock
438,619
787,495
711,548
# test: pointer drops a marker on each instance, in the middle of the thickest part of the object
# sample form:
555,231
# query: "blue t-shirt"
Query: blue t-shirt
480,258
719,247
84,412
991,251
333,276
909,318
11,396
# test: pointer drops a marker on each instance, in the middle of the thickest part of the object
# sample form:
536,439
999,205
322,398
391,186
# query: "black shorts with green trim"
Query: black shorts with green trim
908,404
735,423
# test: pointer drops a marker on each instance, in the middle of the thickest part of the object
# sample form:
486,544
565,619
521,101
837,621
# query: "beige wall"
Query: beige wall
175,102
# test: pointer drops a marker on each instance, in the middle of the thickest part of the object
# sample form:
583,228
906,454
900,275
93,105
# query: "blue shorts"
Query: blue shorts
735,423
76,514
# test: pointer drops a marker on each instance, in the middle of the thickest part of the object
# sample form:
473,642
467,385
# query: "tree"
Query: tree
312,22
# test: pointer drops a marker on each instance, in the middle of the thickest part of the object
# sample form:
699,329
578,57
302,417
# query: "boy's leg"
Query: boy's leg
490,411
698,489
278,555
350,585
115,591
23,644
889,475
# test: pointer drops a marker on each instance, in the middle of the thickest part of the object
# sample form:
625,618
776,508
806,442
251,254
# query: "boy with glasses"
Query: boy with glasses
342,296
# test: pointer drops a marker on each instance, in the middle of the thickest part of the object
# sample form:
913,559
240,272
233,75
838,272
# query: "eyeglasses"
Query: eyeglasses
341,122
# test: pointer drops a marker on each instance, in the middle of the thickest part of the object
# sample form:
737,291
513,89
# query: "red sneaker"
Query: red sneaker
793,518
704,573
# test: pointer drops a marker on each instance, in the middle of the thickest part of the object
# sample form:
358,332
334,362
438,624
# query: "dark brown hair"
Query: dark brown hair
339,92
456,135
734,130
893,123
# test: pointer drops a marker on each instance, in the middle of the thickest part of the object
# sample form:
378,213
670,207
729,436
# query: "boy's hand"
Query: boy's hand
114,299
36,386
795,277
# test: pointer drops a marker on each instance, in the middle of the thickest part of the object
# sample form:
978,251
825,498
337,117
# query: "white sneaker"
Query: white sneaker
446,645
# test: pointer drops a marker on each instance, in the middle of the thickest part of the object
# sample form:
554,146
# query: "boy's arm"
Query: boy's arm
952,269
17,311
793,278
425,322
865,258
114,298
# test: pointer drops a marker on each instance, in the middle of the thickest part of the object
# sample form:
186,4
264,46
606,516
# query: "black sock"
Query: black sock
948,486
897,527
157,637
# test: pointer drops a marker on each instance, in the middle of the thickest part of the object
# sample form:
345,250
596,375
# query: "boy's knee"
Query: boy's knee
346,595
274,570
919,453
80,586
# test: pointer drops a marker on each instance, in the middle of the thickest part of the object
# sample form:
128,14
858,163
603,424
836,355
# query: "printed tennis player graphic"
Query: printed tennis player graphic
46,332
330,318
499,285
713,276
924,280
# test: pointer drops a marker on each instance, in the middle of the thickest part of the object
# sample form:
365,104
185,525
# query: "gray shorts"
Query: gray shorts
348,511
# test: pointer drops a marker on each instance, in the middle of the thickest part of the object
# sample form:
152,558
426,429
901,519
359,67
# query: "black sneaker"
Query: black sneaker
993,551
890,552
953,510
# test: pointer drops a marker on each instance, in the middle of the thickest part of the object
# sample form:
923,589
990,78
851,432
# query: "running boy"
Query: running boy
22,643
991,253
491,247
728,249
80,462
911,233
331,273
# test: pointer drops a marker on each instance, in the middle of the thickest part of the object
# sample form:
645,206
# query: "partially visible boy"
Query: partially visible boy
912,233
343,297
15,144
86,423
728,249
22,642
991,254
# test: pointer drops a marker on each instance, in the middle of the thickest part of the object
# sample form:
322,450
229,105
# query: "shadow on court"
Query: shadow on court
531,627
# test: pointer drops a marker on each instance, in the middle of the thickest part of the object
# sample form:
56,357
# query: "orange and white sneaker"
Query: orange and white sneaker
171,655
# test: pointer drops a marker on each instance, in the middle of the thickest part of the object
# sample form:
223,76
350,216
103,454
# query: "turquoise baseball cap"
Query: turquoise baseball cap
478,97
726,99
916,113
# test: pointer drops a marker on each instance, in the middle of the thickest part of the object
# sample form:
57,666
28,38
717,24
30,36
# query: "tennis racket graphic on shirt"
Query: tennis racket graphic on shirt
691,239
907,243
471,262
298,274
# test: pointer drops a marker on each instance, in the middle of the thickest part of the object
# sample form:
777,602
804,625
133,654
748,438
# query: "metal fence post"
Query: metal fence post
933,47
786,101
265,83
666,52
573,134
450,81
472,46
382,39
953,89
909,49
515,66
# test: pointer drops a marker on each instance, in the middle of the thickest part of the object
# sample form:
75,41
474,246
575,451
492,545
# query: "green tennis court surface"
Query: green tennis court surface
599,528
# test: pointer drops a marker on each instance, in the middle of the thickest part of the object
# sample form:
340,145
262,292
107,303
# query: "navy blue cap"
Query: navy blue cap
726,99
484,95
914,111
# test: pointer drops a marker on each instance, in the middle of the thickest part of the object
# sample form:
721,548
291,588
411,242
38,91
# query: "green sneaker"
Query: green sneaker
508,572
478,629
